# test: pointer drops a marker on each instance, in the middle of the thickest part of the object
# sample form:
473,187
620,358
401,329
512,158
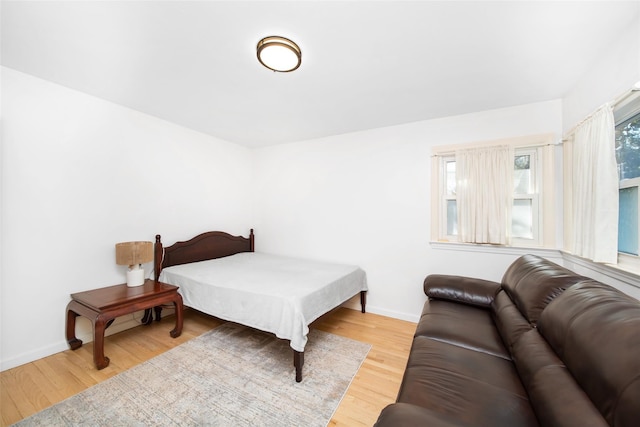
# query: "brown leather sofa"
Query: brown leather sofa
544,347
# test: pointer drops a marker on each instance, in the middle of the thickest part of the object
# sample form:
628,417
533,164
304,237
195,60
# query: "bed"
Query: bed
222,275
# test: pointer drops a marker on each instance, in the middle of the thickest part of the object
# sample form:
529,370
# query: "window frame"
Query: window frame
446,198
536,223
623,111
624,184
543,199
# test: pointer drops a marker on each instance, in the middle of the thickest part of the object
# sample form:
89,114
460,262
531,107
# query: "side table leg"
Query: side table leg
98,343
74,343
177,303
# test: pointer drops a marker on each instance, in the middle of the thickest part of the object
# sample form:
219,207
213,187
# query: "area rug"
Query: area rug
230,376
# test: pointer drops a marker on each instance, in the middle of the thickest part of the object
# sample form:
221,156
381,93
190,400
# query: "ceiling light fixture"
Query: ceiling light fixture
279,54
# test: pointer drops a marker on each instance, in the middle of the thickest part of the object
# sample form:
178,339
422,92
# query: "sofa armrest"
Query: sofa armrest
461,289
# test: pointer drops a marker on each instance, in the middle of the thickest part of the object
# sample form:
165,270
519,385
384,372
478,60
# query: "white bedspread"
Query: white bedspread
272,293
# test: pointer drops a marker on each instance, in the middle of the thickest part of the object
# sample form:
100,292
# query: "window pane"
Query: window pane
522,174
628,148
522,218
628,221
450,168
452,218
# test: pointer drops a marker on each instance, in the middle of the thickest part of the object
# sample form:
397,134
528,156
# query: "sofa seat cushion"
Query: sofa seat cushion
466,385
407,415
462,325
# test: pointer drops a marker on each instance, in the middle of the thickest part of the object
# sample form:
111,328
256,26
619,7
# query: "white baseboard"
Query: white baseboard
395,314
120,324
30,356
354,304
382,311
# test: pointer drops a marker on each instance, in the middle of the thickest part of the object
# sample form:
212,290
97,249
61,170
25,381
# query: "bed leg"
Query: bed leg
298,361
363,300
148,317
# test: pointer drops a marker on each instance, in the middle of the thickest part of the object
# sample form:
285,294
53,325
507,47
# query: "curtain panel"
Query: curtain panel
484,181
594,182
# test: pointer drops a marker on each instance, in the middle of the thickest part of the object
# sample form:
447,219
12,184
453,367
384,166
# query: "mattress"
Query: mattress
273,293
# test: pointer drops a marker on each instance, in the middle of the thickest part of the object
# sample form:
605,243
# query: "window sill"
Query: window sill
628,273
625,273
496,249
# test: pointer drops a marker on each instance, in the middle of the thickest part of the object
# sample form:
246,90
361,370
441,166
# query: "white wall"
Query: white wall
612,74
363,198
80,174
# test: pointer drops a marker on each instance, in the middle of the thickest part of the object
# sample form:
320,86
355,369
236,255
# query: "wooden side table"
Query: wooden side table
105,304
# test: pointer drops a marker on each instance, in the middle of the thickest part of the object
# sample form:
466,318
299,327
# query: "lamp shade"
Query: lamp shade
279,54
134,253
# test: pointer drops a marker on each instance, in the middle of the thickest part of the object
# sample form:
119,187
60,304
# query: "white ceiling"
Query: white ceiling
365,64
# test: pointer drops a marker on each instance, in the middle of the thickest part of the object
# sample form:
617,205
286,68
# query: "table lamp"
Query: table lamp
134,254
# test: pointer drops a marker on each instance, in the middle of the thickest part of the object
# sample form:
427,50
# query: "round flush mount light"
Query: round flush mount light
279,54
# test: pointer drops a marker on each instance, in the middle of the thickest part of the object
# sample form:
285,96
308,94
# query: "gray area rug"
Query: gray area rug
230,376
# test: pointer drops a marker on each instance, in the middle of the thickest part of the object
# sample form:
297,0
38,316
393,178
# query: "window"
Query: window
450,203
529,181
627,139
525,198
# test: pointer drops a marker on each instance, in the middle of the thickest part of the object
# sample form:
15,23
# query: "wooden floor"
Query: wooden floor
34,386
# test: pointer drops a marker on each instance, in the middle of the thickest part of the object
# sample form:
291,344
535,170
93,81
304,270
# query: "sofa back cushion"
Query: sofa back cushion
533,282
595,330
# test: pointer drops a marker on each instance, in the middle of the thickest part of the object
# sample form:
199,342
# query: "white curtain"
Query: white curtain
595,188
484,181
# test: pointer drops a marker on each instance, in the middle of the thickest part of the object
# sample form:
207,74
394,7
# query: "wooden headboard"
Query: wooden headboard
209,245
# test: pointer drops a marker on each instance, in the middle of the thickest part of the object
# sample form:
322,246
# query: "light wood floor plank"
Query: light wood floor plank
29,388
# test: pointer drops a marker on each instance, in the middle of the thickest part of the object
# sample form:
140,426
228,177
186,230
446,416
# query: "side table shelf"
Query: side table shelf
103,305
